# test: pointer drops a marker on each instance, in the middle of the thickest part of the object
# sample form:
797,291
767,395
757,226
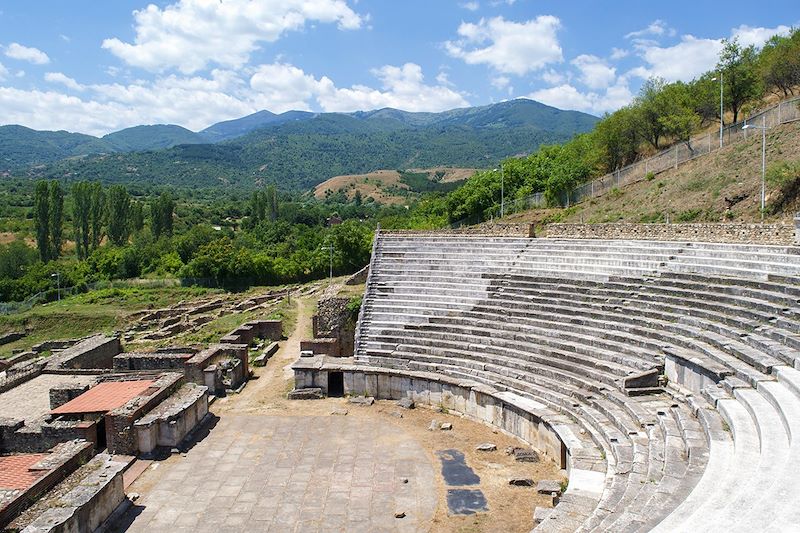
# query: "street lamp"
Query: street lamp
763,128
721,111
57,275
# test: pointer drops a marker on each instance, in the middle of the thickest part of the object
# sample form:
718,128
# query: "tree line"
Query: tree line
661,115
97,213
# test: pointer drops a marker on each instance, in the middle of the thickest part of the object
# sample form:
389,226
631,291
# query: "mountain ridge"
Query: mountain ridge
299,149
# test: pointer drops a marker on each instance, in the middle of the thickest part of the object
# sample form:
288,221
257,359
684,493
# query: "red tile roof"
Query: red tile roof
104,397
15,471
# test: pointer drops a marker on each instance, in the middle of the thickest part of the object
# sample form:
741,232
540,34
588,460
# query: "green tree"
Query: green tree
272,201
137,216
81,216
740,72
704,96
258,207
119,211
649,109
780,62
56,216
678,116
41,218
162,210
616,139
97,214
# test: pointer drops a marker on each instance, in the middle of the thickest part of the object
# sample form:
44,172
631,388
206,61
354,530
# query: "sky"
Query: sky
95,66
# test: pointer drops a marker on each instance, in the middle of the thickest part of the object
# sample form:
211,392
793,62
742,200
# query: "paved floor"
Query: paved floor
303,474
31,400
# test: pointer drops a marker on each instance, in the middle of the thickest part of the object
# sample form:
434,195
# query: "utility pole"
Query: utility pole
57,275
721,108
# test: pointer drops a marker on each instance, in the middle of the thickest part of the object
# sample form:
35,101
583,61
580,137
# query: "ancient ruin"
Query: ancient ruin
496,380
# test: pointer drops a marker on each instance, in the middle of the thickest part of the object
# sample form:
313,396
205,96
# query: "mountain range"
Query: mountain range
296,149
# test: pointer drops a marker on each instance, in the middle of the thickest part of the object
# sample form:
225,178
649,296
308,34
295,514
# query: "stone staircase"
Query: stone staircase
586,329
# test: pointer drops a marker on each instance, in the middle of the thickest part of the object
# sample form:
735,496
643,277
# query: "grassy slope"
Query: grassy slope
695,192
84,314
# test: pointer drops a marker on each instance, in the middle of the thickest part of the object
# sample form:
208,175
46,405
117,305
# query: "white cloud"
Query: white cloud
191,34
595,74
683,61
693,56
658,28
619,53
403,88
500,82
196,102
443,79
553,77
65,38
63,79
470,6
25,53
757,36
3,72
282,87
507,46
567,96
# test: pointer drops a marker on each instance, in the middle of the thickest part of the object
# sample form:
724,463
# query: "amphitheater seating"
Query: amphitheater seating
588,329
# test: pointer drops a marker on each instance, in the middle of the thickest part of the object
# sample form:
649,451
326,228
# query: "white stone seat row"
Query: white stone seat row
564,321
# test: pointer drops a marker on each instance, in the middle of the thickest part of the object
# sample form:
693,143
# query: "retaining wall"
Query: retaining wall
94,352
777,234
487,228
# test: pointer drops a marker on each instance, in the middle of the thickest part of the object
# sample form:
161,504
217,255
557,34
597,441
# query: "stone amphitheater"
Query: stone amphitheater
661,376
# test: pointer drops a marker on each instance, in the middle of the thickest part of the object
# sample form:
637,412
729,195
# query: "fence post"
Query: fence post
779,113
676,157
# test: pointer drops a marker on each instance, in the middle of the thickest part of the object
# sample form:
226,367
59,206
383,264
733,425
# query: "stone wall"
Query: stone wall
42,435
61,461
359,277
120,433
262,329
94,352
151,361
168,424
197,364
487,228
17,375
87,505
468,398
12,336
62,394
332,321
777,234
323,346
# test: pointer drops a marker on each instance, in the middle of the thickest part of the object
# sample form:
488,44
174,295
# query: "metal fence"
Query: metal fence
783,113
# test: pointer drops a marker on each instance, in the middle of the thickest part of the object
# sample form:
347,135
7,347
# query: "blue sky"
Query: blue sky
95,67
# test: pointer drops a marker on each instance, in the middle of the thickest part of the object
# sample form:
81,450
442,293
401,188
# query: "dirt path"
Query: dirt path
509,507
267,392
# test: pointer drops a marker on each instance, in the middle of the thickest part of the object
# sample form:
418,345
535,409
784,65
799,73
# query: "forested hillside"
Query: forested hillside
299,151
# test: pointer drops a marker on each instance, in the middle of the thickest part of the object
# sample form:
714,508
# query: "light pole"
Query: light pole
57,275
763,128
721,109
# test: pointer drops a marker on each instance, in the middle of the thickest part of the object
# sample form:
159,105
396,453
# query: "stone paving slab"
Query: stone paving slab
303,474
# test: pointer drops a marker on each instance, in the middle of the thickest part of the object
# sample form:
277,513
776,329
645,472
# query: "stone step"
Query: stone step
743,466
